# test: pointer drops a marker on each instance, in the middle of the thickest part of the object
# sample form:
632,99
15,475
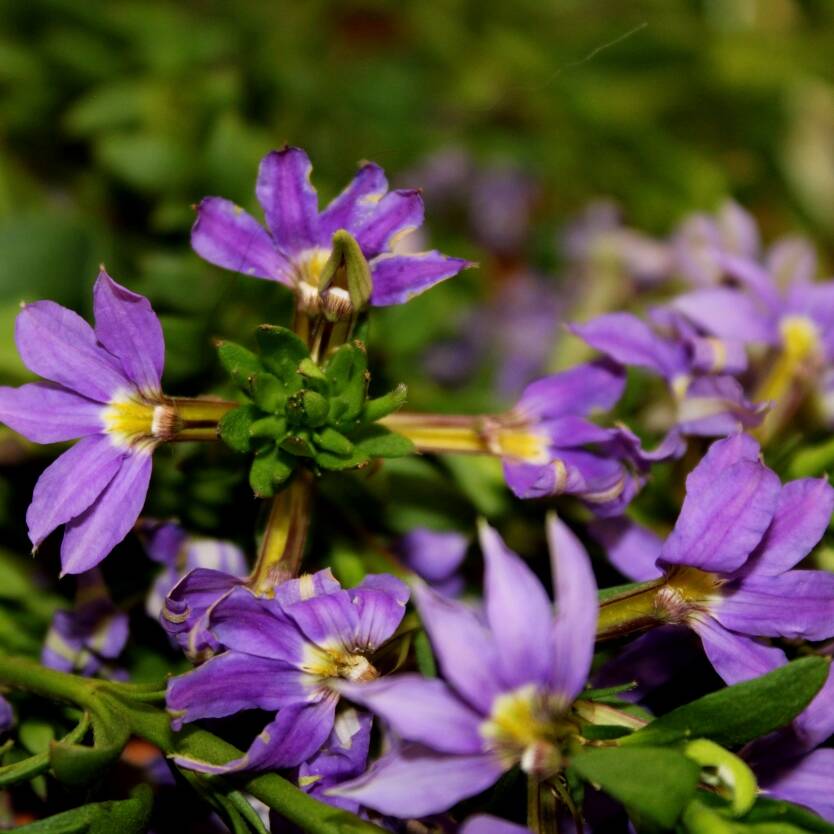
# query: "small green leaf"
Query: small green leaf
272,427
240,363
298,445
333,441
235,427
379,442
740,713
347,373
269,470
281,352
347,269
380,407
731,773
777,812
328,460
310,370
268,392
654,782
35,735
316,408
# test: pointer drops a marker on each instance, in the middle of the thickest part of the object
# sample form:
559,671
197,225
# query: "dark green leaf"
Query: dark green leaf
387,404
424,655
603,732
281,352
316,408
379,442
656,783
268,392
333,441
235,427
347,373
784,813
270,468
239,362
272,427
740,713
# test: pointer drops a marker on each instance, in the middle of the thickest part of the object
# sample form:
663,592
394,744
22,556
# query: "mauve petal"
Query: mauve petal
415,782
385,582
631,548
71,483
796,604
531,480
397,278
571,431
350,209
802,516
60,346
326,620
47,413
730,501
214,554
487,824
90,536
394,216
792,260
712,355
162,540
728,314
227,236
431,554
517,607
735,657
288,198
246,623
305,586
815,723
807,782
464,648
630,341
232,682
128,327
715,406
421,710
754,277
380,614
345,753
593,385
574,630
6,715
737,229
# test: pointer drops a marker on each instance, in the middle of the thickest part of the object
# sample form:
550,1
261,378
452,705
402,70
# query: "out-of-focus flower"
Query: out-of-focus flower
507,695
286,655
85,639
728,561
435,557
6,715
104,387
298,244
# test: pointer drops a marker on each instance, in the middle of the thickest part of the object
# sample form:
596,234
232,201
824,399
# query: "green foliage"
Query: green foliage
301,410
739,713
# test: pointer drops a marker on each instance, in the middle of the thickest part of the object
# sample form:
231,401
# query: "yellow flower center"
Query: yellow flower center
135,422
685,591
337,662
522,444
800,338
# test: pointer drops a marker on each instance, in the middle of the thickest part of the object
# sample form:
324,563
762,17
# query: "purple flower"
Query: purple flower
179,554
85,639
6,715
696,369
285,655
728,561
298,243
509,681
435,557
103,387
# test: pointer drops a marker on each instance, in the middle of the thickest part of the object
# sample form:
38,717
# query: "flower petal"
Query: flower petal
306,586
214,554
796,604
227,236
326,620
233,682
396,214
715,406
487,824
433,555
396,278
60,346
128,327
421,710
631,548
628,340
71,483
802,516
517,607
464,648
735,657
807,781
90,536
728,314
577,608
414,781
350,209
380,614
531,480
46,413
246,623
288,198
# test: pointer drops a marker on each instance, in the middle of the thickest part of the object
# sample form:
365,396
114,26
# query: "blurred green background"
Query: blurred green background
116,117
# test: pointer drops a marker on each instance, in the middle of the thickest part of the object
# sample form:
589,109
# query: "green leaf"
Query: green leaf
270,468
424,655
379,442
333,441
299,445
347,269
281,352
235,427
126,816
311,371
380,407
347,373
316,408
731,775
779,812
737,714
239,362
268,392
335,462
272,427
656,783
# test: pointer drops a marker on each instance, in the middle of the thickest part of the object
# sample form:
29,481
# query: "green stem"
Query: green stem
154,725
629,612
197,419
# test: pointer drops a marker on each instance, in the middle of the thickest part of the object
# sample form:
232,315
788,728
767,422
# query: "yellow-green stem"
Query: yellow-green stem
632,611
197,419
441,433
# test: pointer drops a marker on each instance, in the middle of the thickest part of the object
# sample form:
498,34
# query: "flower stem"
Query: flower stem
195,419
629,612
441,433
282,545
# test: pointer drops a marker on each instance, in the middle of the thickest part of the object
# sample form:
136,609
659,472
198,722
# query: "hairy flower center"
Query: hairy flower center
686,591
525,726
138,423
337,662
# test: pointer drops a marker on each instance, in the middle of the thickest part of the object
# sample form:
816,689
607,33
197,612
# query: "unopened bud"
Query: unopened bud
346,284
